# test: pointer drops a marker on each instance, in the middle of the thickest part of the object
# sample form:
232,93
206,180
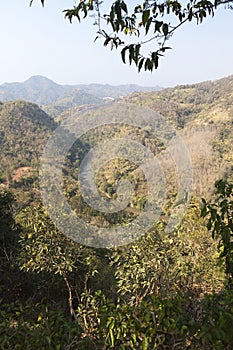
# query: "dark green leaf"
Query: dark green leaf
145,16
123,54
165,29
140,64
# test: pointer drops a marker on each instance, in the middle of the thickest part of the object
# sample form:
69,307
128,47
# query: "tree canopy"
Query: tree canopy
131,27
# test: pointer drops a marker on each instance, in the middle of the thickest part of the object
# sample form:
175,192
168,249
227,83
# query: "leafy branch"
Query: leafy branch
153,21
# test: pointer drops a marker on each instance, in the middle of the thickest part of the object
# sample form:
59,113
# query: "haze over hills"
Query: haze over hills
43,91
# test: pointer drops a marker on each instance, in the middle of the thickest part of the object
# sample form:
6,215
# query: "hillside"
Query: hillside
203,114
24,130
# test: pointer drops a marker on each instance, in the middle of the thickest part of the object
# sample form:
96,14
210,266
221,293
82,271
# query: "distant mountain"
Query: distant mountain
37,89
43,91
107,90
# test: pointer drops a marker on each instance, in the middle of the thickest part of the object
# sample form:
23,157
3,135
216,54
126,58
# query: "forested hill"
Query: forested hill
209,101
203,114
24,131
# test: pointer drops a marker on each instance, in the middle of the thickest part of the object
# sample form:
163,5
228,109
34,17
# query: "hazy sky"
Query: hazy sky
36,40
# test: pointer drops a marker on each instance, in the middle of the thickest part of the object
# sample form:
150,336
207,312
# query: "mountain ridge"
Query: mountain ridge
44,91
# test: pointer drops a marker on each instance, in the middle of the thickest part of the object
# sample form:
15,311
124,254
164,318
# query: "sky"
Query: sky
39,41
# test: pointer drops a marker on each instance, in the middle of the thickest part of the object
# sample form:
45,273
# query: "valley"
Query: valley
171,285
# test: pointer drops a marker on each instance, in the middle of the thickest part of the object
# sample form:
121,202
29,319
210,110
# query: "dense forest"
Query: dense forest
164,290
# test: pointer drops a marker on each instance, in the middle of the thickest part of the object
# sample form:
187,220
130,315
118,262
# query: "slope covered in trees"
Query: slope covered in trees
24,130
202,114
166,290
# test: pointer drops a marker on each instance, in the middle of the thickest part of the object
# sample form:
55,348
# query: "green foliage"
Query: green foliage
157,305
31,127
155,324
103,324
9,229
182,261
223,143
158,323
44,248
215,330
197,252
37,326
220,222
6,212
